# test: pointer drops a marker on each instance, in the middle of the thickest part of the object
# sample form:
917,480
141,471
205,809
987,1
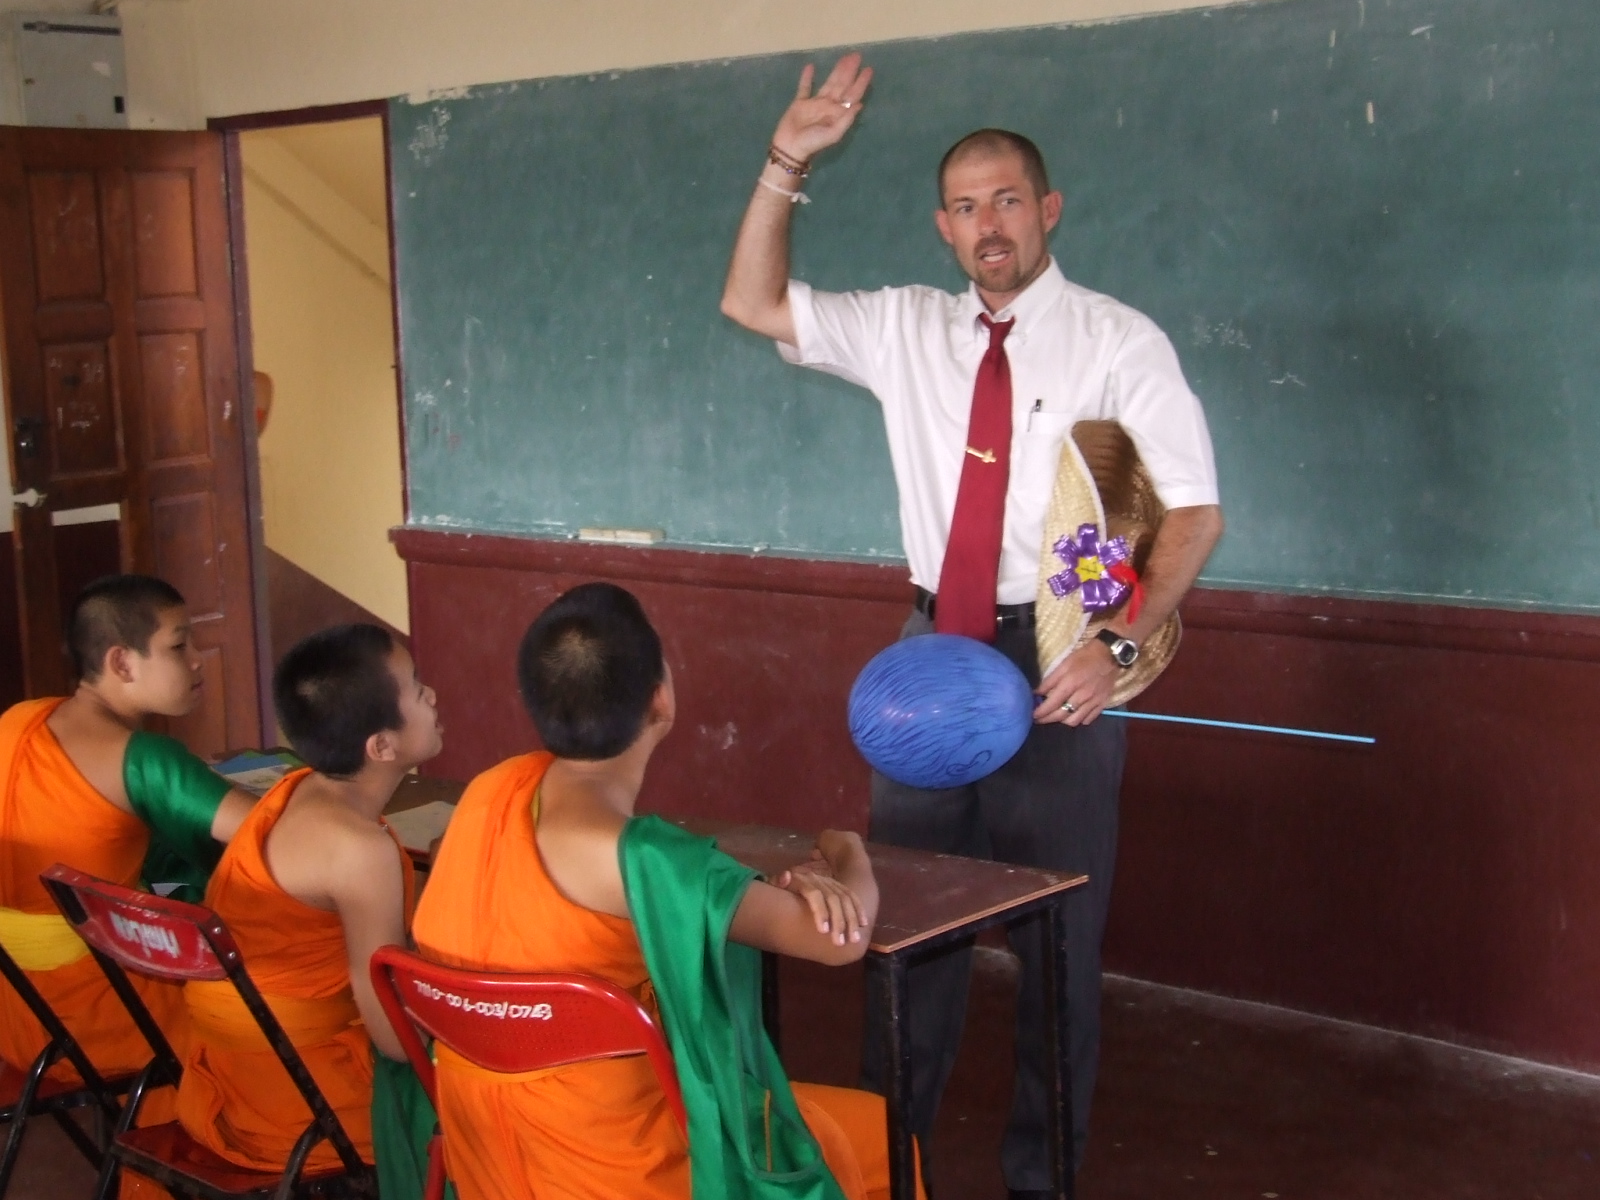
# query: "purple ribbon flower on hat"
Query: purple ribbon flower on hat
1089,563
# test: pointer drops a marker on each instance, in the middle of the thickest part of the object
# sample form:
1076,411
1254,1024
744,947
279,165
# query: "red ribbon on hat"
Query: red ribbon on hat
1124,573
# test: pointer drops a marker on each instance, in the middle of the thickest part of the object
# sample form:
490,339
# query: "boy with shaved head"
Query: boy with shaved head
82,783
546,868
310,886
980,390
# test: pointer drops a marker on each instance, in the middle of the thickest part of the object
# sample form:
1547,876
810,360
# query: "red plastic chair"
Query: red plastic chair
26,1094
128,930
512,1023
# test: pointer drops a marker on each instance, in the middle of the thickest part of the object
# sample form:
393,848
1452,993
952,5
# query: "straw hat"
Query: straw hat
1102,521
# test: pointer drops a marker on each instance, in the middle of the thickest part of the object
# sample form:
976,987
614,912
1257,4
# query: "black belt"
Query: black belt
1006,616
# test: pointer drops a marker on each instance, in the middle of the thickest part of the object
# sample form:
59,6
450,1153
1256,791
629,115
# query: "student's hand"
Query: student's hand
835,908
813,123
837,847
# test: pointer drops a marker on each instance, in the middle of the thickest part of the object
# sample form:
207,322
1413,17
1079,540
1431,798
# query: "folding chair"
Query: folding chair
128,930
25,1094
513,1023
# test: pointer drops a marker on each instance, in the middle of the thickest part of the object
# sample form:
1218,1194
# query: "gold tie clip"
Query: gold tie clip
983,456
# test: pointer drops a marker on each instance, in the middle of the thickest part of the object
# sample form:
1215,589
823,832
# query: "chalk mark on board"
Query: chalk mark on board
1226,334
431,136
1287,377
1422,31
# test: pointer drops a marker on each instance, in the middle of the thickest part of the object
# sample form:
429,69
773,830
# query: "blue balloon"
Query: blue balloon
940,711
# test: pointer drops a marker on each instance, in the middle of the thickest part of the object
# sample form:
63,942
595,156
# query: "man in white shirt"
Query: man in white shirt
1066,354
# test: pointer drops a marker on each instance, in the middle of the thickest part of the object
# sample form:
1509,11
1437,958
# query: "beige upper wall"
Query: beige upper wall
193,59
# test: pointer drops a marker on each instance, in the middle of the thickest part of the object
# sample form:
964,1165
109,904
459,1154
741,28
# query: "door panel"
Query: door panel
123,376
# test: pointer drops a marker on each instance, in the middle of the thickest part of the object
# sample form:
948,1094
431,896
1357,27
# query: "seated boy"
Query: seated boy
310,886
544,868
82,784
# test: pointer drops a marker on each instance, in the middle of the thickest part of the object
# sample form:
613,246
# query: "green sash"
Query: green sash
747,1140
403,1123
177,796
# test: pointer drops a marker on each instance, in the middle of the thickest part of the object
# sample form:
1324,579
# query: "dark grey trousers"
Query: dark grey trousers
1054,805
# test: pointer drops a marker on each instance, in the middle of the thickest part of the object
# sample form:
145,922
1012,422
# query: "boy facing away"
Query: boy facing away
545,868
310,886
82,783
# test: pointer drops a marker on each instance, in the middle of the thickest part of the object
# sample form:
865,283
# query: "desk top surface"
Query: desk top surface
921,894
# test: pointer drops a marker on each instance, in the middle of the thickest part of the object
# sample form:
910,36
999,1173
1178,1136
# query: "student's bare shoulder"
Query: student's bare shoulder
579,851
96,744
319,848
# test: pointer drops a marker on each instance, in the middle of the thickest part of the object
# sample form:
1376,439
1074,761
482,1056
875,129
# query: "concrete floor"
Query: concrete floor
1199,1099
1204,1099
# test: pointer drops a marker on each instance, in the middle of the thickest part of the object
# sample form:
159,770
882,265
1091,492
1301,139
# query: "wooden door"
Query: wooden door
123,380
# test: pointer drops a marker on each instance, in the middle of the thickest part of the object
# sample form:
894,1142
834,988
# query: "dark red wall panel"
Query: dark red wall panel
1442,881
760,673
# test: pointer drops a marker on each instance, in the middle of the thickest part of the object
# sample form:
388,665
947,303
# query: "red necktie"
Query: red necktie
971,571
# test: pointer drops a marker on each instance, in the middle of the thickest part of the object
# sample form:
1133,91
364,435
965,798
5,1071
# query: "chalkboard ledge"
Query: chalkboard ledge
833,579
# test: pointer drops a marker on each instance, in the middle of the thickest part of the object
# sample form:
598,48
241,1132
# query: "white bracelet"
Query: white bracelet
791,197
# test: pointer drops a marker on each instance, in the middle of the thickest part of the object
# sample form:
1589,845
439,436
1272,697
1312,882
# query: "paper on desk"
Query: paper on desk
418,826
256,772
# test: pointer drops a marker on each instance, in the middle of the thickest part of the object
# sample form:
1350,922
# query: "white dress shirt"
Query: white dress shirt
1075,356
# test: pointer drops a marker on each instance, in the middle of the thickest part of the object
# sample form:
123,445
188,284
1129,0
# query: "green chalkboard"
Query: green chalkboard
1372,230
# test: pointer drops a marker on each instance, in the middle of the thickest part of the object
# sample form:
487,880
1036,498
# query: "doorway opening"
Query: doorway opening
320,325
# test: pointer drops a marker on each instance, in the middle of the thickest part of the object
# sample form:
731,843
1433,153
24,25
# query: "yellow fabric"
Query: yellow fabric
219,1017
39,941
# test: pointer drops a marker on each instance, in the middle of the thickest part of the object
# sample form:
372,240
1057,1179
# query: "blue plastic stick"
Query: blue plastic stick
1310,733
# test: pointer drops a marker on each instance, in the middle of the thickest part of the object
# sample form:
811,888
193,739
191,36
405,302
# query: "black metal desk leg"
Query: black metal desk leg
897,1080
769,999
1059,1025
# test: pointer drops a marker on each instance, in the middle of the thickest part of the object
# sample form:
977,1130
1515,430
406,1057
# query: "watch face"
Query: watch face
1124,651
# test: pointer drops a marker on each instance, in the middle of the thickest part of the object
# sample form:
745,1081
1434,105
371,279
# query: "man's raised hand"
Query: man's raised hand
813,123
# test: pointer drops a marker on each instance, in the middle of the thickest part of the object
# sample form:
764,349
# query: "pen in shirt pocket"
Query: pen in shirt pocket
1033,412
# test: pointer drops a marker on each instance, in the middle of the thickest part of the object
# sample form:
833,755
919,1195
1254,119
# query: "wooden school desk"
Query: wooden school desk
927,903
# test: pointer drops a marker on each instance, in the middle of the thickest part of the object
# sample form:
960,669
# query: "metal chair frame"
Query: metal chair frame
215,956
36,1098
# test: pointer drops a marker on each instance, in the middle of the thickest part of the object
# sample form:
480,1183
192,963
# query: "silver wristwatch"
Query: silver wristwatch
1124,651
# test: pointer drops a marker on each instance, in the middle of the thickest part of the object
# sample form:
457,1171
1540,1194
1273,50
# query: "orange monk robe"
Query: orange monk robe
236,1098
50,813
599,1128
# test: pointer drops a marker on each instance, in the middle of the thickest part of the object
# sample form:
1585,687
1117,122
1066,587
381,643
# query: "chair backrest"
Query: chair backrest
130,930
511,1023
150,935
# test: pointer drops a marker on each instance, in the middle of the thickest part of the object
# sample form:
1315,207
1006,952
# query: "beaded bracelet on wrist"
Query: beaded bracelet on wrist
786,164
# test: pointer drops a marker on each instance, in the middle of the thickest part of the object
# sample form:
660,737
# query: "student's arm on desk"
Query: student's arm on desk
366,886
823,910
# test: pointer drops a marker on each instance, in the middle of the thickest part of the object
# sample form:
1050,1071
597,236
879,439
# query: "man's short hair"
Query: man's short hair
333,691
999,141
588,668
116,610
